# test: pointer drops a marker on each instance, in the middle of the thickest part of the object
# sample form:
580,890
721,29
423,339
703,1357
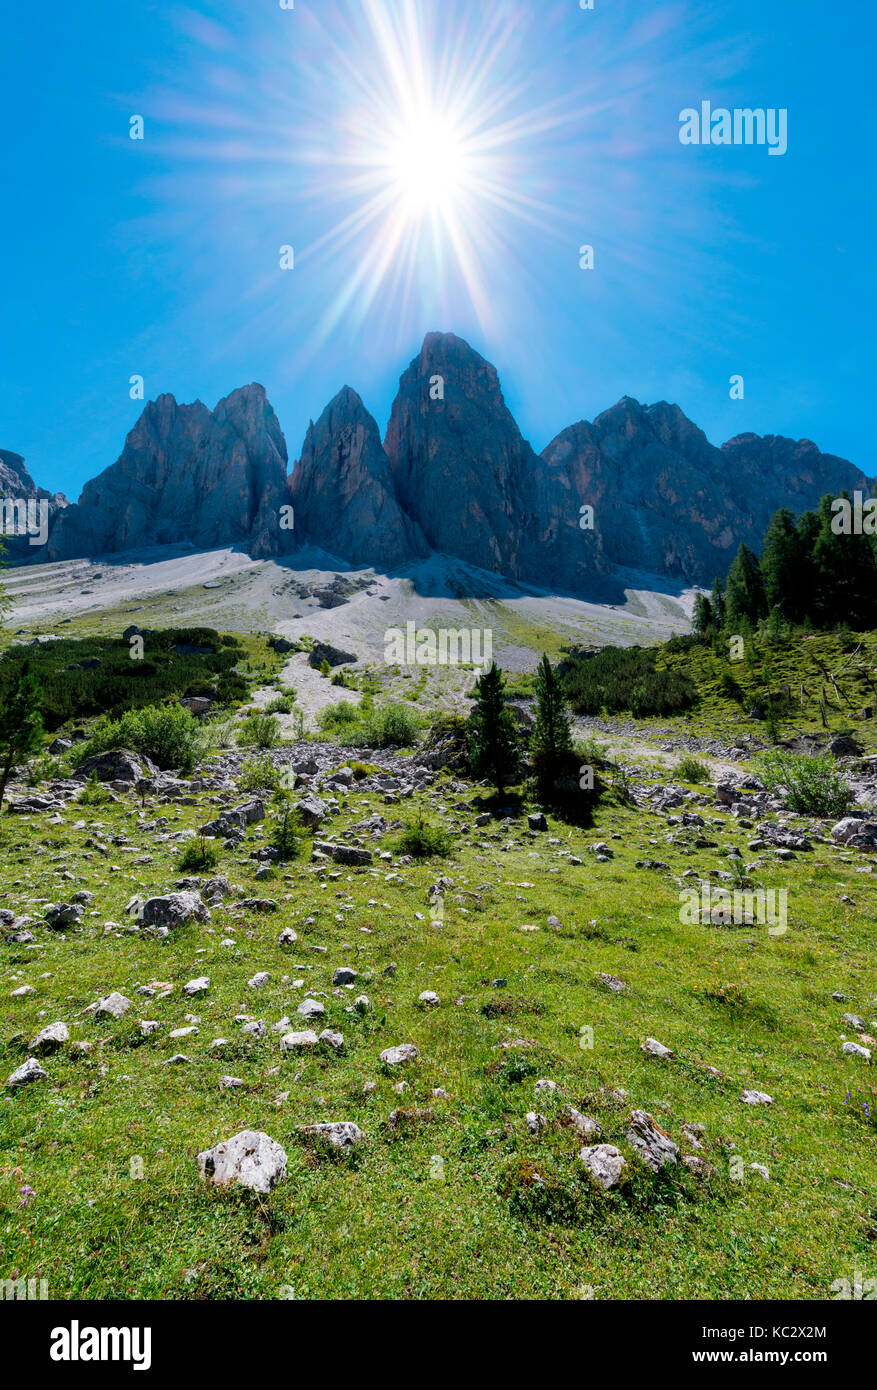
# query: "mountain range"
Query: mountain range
453,475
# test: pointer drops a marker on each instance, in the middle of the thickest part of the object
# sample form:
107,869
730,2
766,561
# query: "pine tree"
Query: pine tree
744,591
703,615
846,575
552,736
785,566
717,603
492,736
21,726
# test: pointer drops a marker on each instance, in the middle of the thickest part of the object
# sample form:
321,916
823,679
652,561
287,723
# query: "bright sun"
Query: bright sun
427,164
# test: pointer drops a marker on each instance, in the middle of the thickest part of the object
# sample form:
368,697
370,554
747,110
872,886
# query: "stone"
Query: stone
344,975
537,821
756,1098
251,1158
652,1143
29,1071
116,765
653,1048
428,999
338,1134
294,1042
311,810
400,1055
329,1038
199,985
605,1163
259,980
50,1038
114,1005
173,910
311,1008
851,1049
535,1122
64,915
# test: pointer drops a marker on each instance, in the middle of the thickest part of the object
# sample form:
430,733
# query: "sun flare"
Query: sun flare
427,163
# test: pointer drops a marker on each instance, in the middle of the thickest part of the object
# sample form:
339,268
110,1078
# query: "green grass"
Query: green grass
384,1224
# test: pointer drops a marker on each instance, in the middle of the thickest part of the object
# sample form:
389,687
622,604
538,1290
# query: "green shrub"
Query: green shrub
626,678
257,774
199,856
169,735
281,704
689,769
285,834
813,785
94,793
396,726
422,840
259,730
333,717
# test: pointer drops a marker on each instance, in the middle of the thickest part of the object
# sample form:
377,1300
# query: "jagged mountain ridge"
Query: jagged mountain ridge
453,474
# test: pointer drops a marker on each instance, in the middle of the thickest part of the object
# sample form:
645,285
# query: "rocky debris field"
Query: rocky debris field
516,1071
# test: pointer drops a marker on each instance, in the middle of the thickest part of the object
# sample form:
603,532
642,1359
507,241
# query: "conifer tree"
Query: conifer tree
492,735
744,590
21,726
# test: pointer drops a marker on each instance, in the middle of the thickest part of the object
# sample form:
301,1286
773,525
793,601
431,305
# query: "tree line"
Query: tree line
813,572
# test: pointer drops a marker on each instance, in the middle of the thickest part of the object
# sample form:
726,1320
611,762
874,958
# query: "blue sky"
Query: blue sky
161,257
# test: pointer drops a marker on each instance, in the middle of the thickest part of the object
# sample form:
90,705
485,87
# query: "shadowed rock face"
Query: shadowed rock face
343,494
186,474
462,470
668,501
454,475
16,485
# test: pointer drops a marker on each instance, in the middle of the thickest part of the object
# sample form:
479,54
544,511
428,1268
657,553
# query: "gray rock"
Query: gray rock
173,910
653,1144
113,1005
50,1038
312,810
251,1158
756,1098
339,1134
63,915
605,1163
29,1071
294,1042
398,1056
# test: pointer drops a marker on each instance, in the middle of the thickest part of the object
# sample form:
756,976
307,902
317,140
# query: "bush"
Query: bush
169,735
422,840
199,856
285,836
281,704
689,769
259,730
812,785
256,774
626,678
333,717
393,727
94,793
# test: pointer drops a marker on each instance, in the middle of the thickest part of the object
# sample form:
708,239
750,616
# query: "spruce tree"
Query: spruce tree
784,566
552,736
703,615
744,591
492,735
717,603
21,726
